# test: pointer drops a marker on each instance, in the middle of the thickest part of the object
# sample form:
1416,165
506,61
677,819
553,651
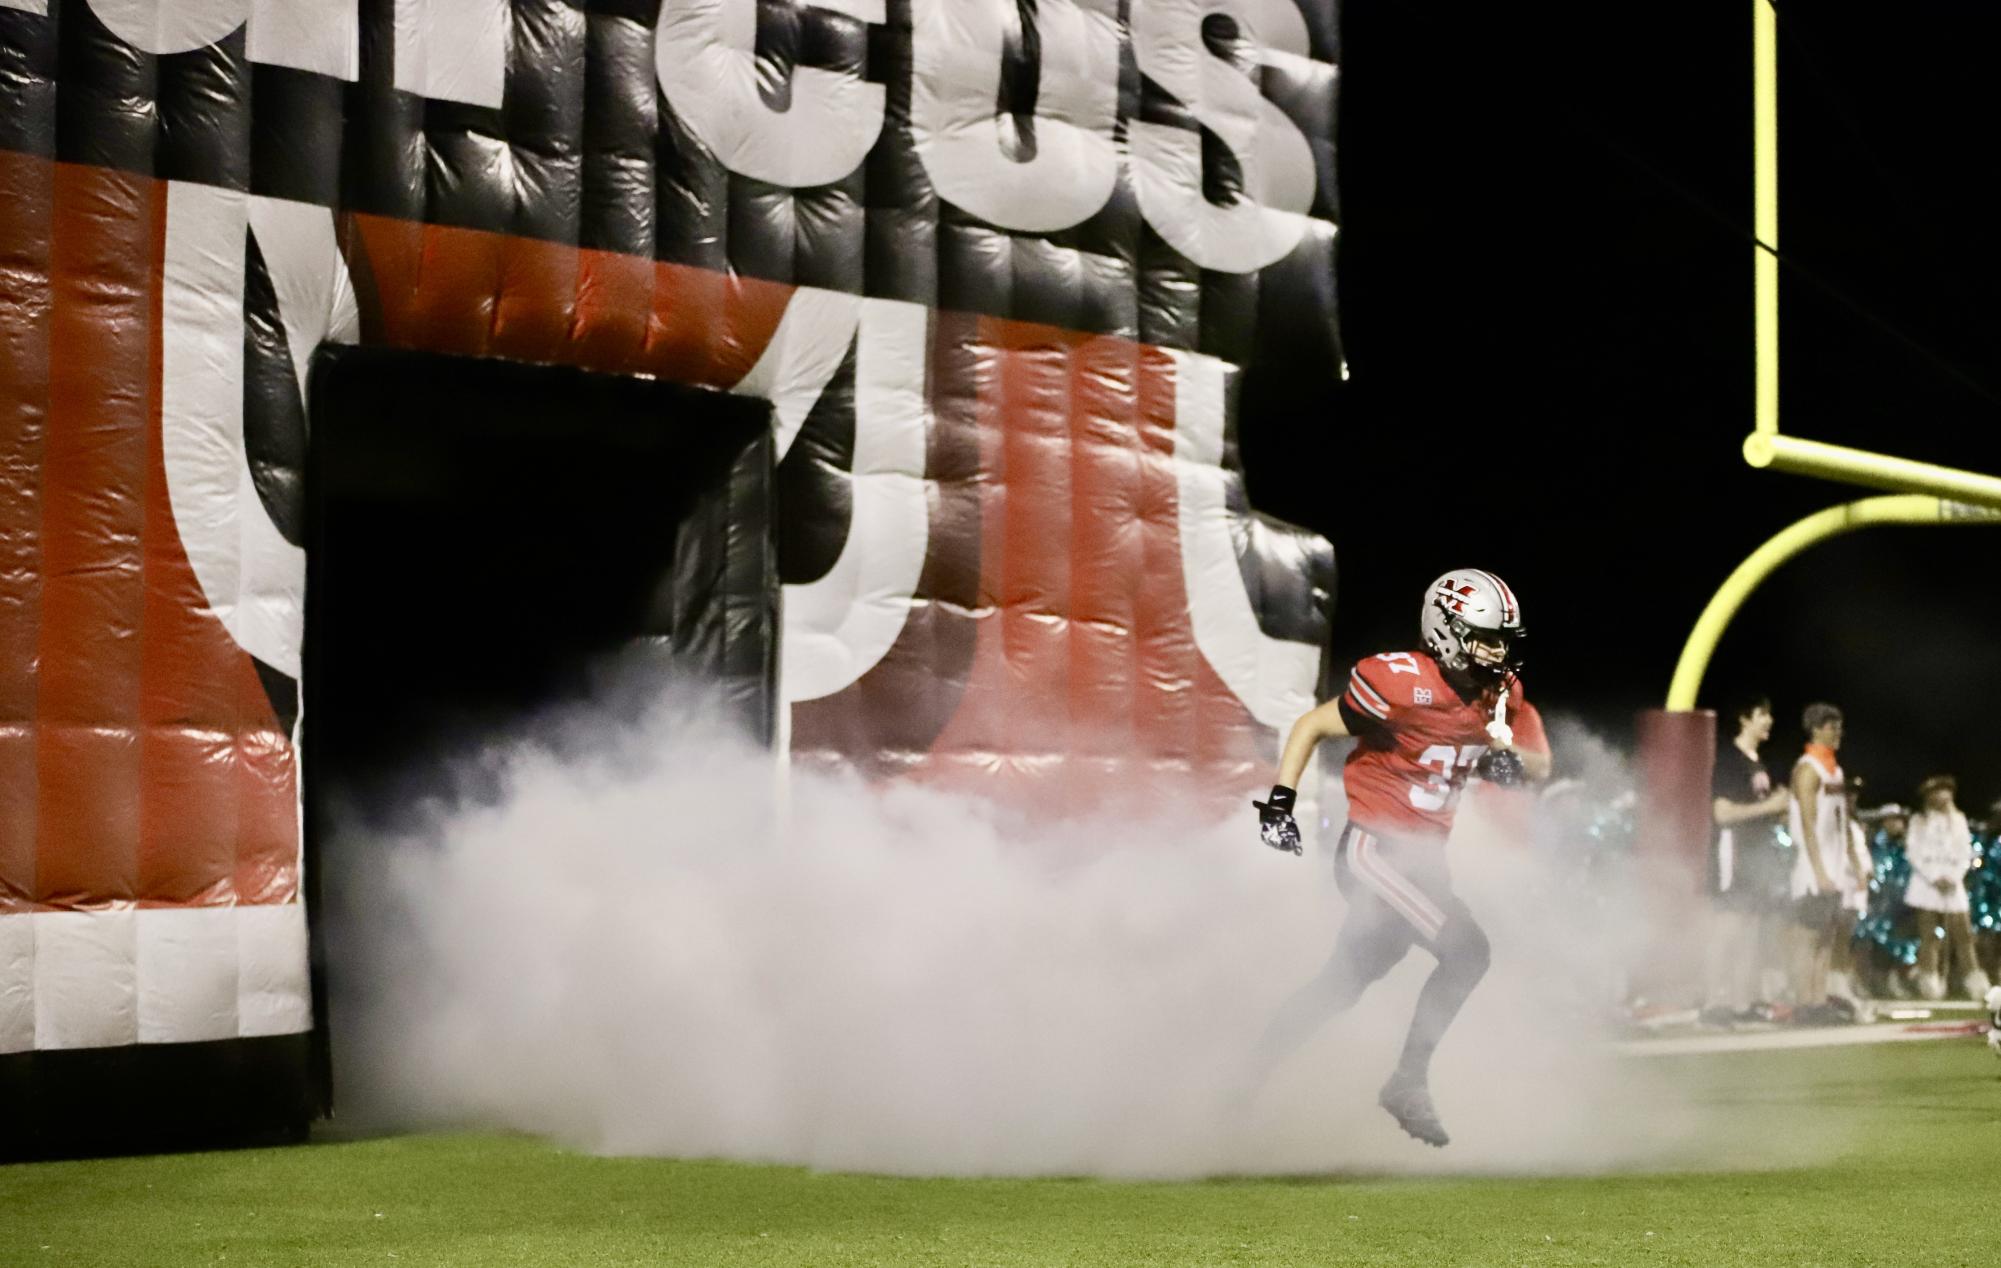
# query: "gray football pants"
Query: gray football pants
1399,896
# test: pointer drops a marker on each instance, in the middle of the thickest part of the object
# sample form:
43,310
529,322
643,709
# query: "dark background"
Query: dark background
1546,280
483,535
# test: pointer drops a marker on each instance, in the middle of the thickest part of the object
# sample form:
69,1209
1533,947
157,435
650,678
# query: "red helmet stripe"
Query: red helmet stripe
1510,609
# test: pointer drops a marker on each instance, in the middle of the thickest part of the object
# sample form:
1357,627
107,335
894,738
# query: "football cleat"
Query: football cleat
1408,1100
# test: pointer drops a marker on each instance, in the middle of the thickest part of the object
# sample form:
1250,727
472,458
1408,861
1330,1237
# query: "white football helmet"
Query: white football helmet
1472,625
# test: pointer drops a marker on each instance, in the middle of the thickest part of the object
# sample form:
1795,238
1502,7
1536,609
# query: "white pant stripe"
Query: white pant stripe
1395,889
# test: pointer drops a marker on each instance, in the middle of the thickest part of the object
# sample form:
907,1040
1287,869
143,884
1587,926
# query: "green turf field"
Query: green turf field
1916,1180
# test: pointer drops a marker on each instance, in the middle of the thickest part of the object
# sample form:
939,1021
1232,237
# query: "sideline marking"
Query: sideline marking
1818,1037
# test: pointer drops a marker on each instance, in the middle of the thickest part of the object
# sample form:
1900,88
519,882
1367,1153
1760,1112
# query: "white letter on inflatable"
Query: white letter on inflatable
254,580
838,627
453,50
705,54
322,36
813,336
1267,222
170,26
1273,677
956,50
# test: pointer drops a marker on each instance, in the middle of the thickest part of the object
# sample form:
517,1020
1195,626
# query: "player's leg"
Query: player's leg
1833,934
1841,955
1463,956
1846,983
1768,877
1729,956
1372,939
1765,961
1798,942
1823,953
1963,970
1806,946
1985,968
1725,921
1931,948
1411,877
1810,980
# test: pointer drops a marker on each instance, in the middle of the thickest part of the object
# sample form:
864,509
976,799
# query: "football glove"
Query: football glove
1275,822
1502,767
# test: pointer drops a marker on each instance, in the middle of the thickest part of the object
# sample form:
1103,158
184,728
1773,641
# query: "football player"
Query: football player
1425,721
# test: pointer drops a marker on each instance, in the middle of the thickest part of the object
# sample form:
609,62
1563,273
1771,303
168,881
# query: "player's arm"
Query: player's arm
1275,822
1728,813
1806,788
1923,847
1321,723
1527,741
1860,865
1917,849
1535,764
1962,849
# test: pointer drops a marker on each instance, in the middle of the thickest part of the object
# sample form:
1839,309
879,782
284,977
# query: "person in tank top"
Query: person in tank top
1823,875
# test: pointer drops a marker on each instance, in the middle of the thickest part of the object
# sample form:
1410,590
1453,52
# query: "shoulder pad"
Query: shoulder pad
1396,680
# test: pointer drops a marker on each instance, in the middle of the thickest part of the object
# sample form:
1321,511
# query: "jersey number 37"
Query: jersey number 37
1446,769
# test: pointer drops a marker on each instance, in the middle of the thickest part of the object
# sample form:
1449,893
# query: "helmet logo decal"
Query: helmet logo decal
1453,597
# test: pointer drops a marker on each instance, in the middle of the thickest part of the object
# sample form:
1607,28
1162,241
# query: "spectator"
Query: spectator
1983,888
1747,867
1888,923
1843,980
1822,873
1940,846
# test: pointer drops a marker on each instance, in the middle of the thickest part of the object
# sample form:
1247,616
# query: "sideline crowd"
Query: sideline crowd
1819,906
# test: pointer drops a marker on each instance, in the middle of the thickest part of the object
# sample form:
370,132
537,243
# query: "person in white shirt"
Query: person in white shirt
1939,845
1823,871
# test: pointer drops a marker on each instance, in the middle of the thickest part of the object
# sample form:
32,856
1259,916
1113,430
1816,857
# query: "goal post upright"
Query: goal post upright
1765,212
1923,492
1676,743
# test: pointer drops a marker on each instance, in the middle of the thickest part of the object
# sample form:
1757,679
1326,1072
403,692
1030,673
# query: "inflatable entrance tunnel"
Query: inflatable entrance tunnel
890,346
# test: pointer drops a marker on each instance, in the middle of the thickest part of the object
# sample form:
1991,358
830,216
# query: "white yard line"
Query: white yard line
1818,1037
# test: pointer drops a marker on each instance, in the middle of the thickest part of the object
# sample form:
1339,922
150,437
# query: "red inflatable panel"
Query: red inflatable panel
1082,680
467,292
153,767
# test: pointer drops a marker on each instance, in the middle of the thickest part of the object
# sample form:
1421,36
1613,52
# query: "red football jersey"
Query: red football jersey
1404,777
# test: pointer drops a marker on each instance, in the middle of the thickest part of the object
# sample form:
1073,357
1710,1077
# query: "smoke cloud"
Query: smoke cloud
635,938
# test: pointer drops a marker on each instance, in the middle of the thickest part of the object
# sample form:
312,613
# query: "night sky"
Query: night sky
1547,302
